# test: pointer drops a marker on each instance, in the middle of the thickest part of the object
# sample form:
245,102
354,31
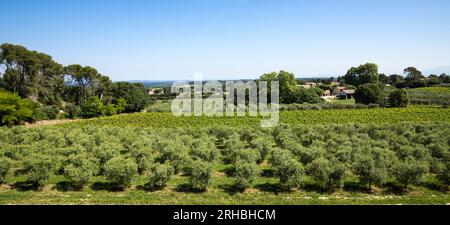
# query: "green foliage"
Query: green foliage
50,112
328,174
443,173
200,177
135,96
173,154
287,84
93,107
79,169
311,95
263,145
414,78
105,152
121,171
121,105
370,171
31,74
38,169
430,96
398,98
159,175
14,110
369,93
204,149
364,74
110,109
5,166
245,174
72,110
142,157
289,170
409,171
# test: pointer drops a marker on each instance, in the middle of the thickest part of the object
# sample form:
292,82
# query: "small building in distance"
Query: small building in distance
337,90
156,91
346,94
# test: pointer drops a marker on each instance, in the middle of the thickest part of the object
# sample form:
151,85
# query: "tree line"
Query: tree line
80,91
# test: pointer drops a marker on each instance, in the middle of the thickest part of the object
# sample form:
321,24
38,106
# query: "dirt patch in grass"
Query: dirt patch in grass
50,122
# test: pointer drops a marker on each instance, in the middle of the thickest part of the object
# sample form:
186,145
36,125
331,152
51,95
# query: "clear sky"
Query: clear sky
231,39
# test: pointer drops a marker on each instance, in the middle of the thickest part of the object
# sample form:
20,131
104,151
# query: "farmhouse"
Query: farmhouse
337,90
346,94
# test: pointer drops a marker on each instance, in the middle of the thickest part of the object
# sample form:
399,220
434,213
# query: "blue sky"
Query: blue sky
231,39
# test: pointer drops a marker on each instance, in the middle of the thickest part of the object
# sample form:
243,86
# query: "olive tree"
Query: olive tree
369,171
79,169
409,171
201,175
121,171
159,175
5,166
327,173
398,98
245,174
38,169
289,170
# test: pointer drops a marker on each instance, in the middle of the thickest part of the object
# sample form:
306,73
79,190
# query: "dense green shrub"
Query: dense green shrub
15,110
369,93
201,175
246,155
311,96
72,110
369,171
134,94
93,107
328,174
398,98
231,146
121,171
110,109
263,145
105,152
409,171
38,169
245,174
159,175
443,173
5,166
50,112
204,149
174,154
142,157
289,170
79,170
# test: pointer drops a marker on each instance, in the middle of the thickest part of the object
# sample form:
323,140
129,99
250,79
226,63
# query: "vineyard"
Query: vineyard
133,159
303,117
430,95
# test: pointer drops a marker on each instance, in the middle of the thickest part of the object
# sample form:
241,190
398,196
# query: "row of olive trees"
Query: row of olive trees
327,155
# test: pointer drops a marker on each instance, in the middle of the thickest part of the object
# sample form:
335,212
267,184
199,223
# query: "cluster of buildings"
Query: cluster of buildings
338,91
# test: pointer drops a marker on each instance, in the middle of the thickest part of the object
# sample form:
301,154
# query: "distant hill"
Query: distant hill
437,70
156,83
168,83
